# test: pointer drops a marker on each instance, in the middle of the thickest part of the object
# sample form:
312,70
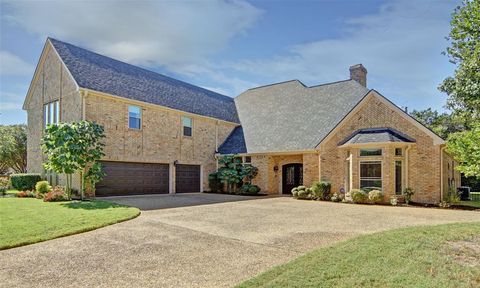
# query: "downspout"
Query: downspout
441,171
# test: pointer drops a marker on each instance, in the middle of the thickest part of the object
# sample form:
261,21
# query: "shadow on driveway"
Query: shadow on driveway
154,202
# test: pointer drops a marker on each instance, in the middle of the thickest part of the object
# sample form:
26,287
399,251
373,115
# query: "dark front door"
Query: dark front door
126,178
292,176
187,178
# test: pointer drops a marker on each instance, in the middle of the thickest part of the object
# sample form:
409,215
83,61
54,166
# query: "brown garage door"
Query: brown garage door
125,178
187,178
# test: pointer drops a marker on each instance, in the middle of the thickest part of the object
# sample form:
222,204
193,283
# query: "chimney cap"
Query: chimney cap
358,66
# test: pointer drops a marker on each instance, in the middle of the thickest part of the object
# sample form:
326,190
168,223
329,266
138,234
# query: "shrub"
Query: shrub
4,182
25,194
43,187
375,196
302,192
215,183
453,196
3,190
408,193
393,201
359,196
57,194
25,181
336,197
250,189
321,190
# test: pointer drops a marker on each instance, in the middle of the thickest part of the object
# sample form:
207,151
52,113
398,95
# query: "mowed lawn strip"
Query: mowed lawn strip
28,220
409,257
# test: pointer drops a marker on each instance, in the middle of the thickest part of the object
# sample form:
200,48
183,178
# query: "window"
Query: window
398,178
247,159
134,117
371,152
371,175
398,151
187,126
51,113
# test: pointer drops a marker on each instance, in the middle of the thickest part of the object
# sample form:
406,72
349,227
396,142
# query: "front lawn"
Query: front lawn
475,204
28,220
435,256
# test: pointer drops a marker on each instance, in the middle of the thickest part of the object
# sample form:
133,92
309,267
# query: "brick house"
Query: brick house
163,135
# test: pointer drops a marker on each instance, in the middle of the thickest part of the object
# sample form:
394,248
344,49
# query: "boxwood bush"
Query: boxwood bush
25,181
359,196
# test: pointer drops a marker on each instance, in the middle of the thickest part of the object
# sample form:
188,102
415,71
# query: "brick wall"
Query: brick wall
423,160
52,82
161,138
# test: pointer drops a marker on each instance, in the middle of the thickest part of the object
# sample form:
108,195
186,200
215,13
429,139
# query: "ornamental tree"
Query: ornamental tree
71,148
233,173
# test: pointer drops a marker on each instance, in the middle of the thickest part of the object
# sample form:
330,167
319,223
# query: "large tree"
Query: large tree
463,89
13,148
443,124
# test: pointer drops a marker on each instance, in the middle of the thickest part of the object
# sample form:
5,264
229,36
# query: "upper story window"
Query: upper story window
398,151
371,152
187,126
51,113
134,117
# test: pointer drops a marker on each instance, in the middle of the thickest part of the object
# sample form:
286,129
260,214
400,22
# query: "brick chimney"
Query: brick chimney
359,74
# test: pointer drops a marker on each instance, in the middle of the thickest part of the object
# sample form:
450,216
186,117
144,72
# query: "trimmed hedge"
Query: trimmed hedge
25,181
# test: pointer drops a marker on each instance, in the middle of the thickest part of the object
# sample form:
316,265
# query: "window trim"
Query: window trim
51,113
183,126
360,152
360,172
141,117
402,181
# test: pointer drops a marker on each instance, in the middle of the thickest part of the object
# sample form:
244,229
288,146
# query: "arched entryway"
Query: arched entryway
292,176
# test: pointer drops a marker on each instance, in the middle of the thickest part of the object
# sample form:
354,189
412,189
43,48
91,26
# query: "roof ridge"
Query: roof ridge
139,67
277,83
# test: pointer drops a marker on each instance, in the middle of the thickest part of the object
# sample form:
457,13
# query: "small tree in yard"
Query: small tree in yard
233,173
93,175
72,147
13,148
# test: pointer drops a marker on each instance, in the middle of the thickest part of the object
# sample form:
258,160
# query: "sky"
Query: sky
231,46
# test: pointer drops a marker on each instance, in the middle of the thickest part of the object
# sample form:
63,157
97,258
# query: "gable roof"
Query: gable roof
235,143
376,135
100,73
290,116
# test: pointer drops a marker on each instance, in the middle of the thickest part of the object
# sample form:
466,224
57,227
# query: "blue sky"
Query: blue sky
230,46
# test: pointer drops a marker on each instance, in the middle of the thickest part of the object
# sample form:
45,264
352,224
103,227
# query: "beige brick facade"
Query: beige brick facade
161,139
52,82
420,161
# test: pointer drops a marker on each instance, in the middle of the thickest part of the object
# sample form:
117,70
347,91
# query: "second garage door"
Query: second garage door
187,178
126,178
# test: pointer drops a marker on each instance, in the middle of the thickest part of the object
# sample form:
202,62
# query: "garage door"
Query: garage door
125,178
187,178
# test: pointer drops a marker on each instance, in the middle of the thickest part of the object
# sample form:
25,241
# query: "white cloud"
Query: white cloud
11,101
12,65
152,33
400,45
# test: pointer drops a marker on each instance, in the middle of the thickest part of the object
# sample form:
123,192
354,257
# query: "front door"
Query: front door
292,176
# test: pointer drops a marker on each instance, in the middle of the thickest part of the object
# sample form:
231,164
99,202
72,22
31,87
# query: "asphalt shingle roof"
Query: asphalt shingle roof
235,143
100,73
290,116
376,135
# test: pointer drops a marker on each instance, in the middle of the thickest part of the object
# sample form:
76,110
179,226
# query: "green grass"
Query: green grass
28,220
12,191
475,204
409,257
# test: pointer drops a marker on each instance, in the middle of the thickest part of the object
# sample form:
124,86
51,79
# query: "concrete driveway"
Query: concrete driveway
215,241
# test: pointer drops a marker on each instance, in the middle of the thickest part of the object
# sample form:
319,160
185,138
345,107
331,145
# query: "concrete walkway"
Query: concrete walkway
218,242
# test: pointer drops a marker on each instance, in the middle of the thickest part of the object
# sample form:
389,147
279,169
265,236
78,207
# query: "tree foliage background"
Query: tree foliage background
13,148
